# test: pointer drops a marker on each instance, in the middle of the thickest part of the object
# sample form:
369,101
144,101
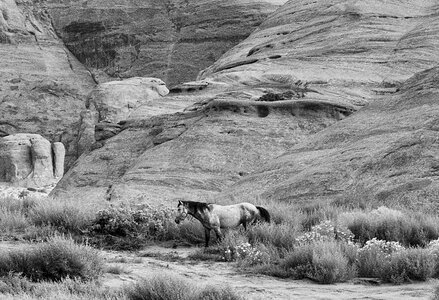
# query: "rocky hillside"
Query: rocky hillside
169,39
325,101
42,86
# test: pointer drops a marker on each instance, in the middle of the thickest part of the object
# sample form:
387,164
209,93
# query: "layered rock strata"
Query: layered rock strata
172,40
279,117
42,86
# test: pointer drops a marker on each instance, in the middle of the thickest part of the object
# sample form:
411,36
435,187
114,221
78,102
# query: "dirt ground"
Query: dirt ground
159,260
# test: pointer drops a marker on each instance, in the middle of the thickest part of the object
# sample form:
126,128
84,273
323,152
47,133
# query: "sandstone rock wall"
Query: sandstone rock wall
30,160
385,154
42,86
333,58
169,39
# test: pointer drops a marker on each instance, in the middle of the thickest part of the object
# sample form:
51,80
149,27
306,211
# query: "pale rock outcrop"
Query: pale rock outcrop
30,160
112,102
115,100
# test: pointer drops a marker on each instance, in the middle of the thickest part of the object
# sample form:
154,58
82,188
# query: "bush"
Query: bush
408,264
433,248
393,263
61,216
326,231
391,225
218,293
128,227
321,261
374,255
18,287
317,213
12,222
281,236
168,287
55,260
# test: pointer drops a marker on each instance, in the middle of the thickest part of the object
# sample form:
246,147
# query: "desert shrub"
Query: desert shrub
326,230
281,236
316,213
329,264
282,212
322,261
168,287
218,293
22,205
128,227
13,215
55,260
65,217
393,263
374,255
392,225
408,264
191,231
18,287
246,253
12,221
15,284
433,248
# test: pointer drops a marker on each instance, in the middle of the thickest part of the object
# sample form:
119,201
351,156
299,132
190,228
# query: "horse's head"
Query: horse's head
182,212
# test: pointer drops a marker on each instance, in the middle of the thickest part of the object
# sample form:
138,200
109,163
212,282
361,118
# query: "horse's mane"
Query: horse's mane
194,205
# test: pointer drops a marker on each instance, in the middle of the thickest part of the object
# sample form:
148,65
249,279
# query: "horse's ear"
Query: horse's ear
180,203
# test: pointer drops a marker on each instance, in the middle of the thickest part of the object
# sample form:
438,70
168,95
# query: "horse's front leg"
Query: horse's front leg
206,236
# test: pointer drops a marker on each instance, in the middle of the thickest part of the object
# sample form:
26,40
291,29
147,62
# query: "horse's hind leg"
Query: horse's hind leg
218,233
206,237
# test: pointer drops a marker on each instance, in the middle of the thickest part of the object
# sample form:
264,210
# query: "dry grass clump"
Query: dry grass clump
171,287
393,263
65,217
321,261
410,229
16,287
55,260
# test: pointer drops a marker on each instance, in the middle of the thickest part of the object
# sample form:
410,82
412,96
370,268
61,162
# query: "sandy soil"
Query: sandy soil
174,261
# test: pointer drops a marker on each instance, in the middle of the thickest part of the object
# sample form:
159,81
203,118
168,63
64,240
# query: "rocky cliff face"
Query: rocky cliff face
387,153
42,86
168,39
279,117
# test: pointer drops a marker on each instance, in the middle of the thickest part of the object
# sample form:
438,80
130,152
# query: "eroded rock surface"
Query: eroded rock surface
387,153
42,86
172,40
114,100
30,160
354,126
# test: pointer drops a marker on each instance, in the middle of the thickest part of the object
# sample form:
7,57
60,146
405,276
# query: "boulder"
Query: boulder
115,100
30,160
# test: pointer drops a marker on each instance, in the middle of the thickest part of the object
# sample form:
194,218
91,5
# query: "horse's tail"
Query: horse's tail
264,214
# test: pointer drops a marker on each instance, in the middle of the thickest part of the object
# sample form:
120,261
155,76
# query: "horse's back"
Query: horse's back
228,215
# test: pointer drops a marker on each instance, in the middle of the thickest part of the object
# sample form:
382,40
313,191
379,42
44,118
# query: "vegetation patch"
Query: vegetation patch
55,260
172,287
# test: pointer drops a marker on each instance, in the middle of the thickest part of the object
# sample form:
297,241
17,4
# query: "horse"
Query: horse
216,217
